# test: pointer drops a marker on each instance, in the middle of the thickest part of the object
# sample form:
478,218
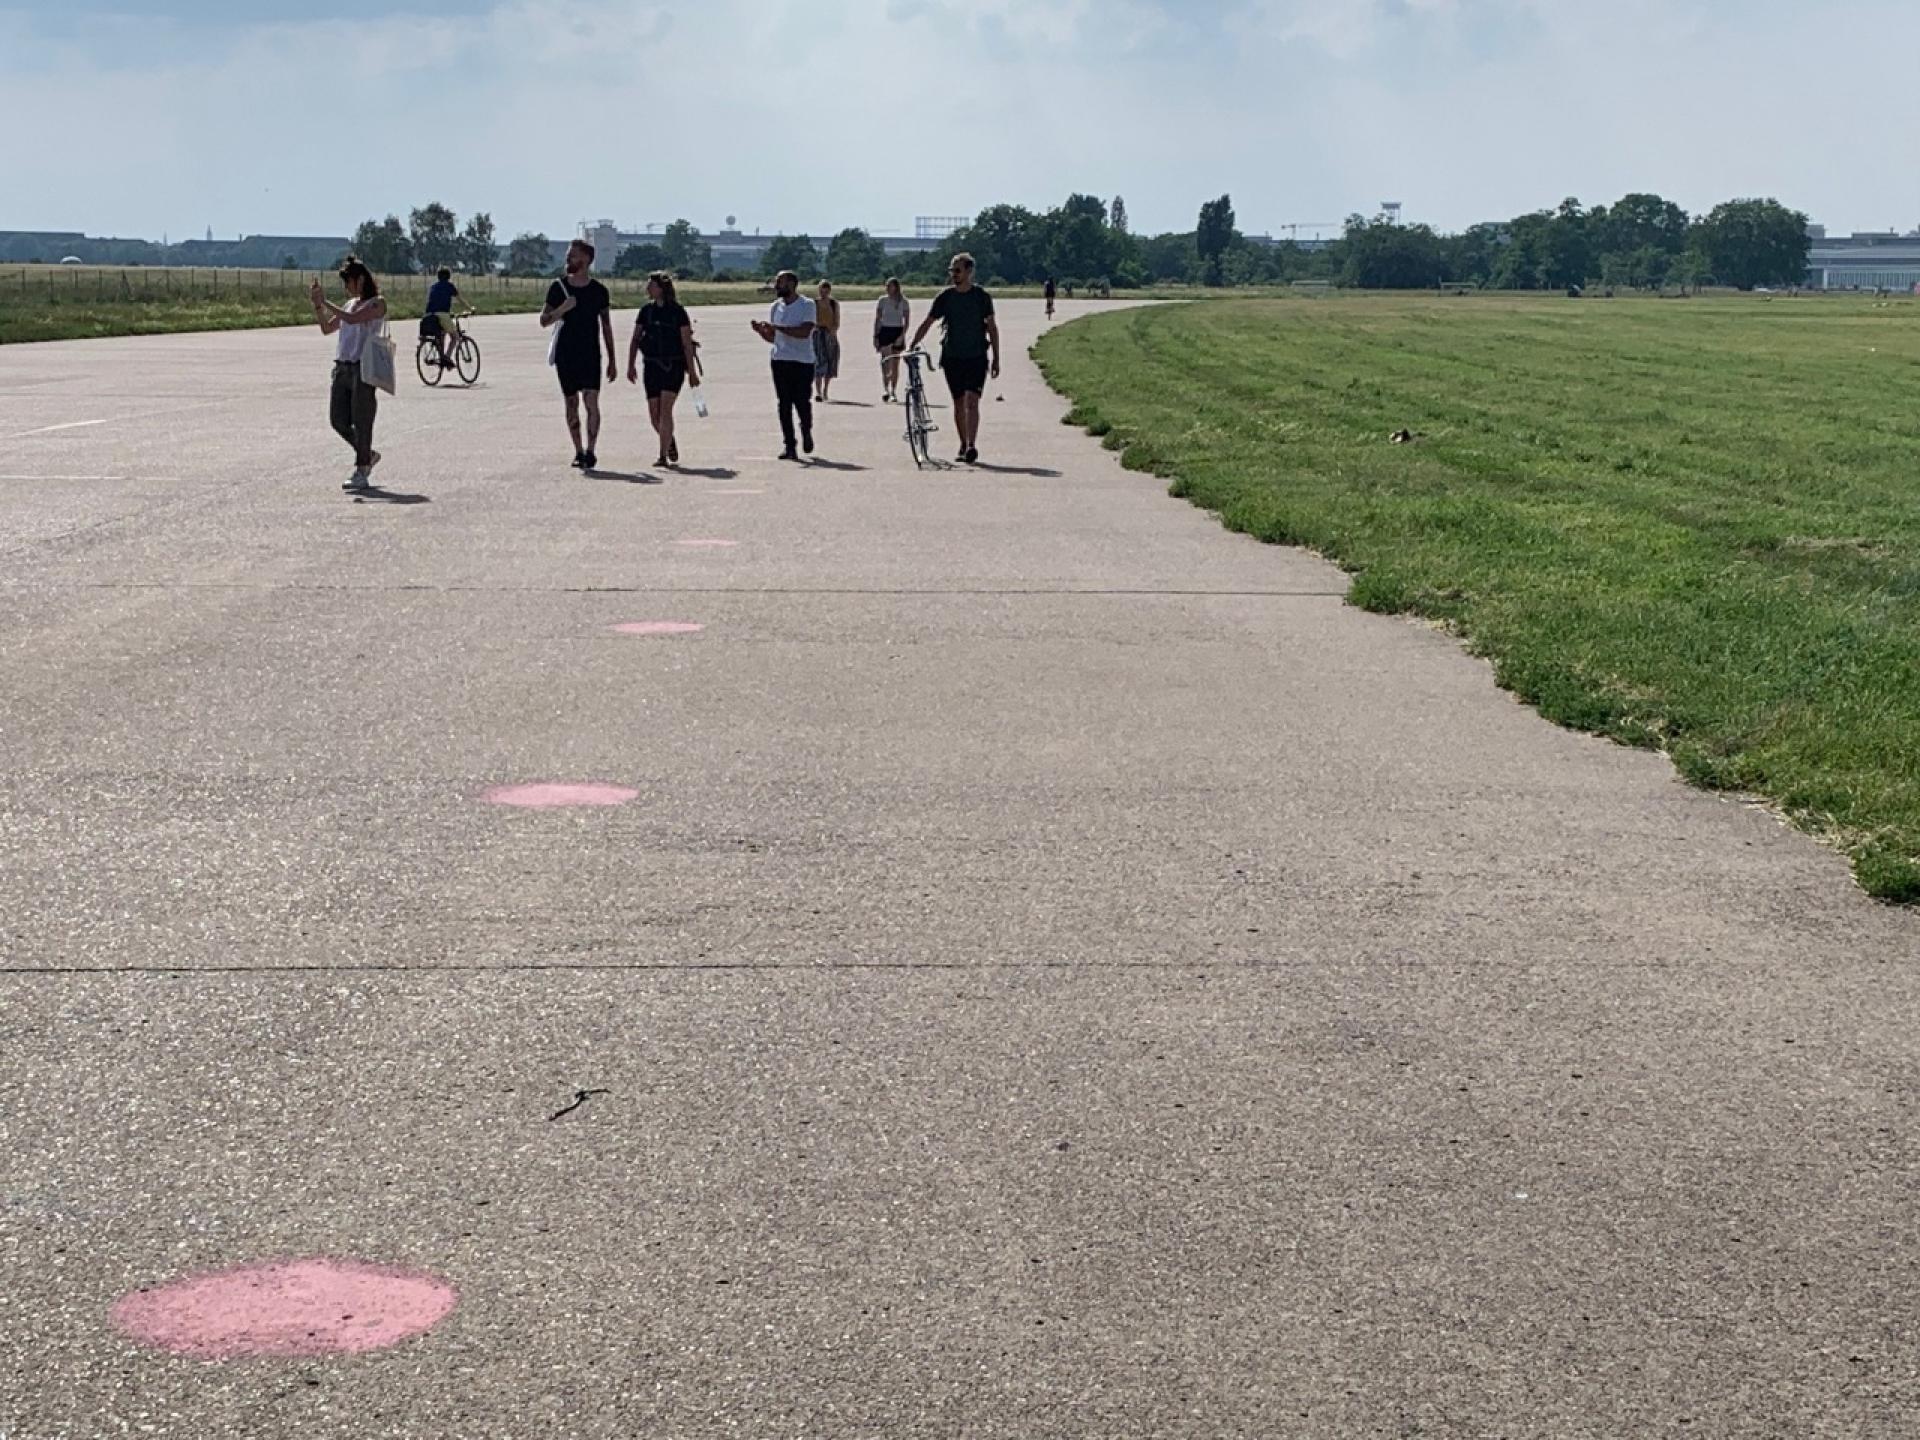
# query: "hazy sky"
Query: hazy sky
135,117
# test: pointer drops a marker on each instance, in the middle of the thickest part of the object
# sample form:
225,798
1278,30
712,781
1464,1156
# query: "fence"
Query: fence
142,284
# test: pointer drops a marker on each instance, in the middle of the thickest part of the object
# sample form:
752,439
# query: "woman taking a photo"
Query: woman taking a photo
354,401
826,342
890,320
663,343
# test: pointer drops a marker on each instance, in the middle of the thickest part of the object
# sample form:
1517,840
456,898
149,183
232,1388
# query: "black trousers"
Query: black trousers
793,384
351,407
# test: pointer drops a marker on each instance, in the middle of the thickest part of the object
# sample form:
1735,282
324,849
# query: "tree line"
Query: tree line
1642,240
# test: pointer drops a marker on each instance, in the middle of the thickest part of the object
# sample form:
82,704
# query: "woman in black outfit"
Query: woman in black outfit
663,340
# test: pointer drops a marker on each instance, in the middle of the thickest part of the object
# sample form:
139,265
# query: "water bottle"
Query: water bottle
699,398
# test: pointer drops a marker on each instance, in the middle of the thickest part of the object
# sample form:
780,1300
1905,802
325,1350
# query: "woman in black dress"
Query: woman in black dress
663,357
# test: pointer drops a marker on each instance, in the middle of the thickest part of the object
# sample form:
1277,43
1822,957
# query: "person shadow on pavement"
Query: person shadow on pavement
628,476
389,497
1036,470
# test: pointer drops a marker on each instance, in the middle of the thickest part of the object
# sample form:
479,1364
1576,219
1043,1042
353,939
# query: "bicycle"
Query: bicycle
920,424
464,348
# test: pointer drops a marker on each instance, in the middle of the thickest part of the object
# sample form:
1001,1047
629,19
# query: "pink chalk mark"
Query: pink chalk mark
558,794
289,1309
659,627
707,544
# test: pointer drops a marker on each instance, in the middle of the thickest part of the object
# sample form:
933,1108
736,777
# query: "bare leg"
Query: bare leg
573,423
593,420
664,422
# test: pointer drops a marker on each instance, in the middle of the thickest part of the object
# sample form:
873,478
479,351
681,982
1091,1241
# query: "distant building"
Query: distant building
1865,260
308,252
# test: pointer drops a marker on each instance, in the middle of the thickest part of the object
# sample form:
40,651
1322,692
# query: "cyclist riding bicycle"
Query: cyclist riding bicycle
441,324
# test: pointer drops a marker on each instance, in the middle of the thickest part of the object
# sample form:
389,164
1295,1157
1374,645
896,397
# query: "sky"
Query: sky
151,117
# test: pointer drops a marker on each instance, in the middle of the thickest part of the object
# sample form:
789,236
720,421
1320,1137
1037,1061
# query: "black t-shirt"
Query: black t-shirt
659,326
965,312
580,326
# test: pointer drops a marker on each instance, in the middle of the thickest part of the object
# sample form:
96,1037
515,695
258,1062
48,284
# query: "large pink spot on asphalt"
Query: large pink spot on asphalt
699,544
659,627
559,794
288,1308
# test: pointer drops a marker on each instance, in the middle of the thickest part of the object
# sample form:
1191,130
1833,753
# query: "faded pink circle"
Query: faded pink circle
659,627
707,544
558,794
287,1308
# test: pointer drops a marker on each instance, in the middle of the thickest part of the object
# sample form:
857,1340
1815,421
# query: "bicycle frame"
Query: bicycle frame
919,424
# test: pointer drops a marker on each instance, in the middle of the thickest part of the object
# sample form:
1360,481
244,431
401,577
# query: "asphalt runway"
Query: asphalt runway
1057,971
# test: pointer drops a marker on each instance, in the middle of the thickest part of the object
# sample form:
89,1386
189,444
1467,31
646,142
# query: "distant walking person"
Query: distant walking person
890,320
970,350
581,307
826,342
354,402
1050,293
663,341
789,329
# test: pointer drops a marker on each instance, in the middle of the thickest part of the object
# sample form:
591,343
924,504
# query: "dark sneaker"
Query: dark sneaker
579,459
589,460
789,453
806,443
973,455
673,451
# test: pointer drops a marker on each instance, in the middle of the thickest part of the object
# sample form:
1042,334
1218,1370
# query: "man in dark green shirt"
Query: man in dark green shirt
970,350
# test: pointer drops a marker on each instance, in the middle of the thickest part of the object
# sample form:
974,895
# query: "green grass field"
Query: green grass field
1690,525
86,302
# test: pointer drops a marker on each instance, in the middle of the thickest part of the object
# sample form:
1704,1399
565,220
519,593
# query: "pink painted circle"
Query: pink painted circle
287,1308
659,627
559,794
701,544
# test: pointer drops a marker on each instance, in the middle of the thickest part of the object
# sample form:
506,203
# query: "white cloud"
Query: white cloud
871,111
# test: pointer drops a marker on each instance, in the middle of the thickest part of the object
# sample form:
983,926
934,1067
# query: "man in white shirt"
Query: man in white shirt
789,329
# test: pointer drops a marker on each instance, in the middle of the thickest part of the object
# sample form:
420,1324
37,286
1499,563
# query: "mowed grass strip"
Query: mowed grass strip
74,302
1690,525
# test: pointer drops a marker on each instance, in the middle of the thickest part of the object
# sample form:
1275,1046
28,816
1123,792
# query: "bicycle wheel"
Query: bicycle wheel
467,359
918,428
427,361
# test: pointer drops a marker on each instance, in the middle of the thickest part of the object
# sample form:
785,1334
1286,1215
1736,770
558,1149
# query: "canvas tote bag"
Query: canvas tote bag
378,361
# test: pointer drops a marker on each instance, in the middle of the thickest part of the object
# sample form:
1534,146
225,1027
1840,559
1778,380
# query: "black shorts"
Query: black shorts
966,377
888,336
658,377
578,372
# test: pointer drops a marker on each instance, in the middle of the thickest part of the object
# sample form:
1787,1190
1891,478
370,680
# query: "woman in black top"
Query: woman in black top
663,339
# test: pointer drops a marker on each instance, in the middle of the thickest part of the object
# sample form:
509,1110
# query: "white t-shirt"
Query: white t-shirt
797,311
893,313
350,340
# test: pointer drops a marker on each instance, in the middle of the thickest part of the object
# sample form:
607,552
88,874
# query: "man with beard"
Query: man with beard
582,308
972,349
789,329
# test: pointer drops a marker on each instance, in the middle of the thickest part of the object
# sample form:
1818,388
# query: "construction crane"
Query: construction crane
1294,228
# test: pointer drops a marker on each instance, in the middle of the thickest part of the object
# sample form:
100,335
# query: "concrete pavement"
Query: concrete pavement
1063,973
